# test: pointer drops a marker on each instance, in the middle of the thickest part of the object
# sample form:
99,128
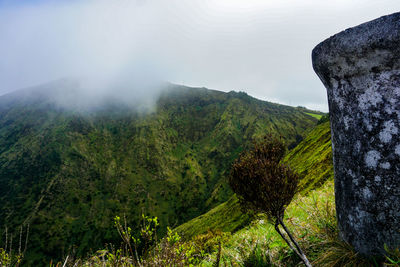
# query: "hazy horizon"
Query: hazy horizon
260,47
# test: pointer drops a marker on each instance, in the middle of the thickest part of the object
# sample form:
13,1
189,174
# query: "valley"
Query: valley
68,173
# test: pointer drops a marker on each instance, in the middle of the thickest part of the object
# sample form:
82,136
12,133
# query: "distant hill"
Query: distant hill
315,113
67,173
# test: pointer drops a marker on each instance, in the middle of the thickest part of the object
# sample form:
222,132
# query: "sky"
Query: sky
262,47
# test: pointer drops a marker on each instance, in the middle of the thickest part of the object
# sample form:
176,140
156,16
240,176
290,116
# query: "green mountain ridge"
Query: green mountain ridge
67,173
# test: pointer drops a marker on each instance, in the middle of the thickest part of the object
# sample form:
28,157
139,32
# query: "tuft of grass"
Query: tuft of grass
258,258
314,216
341,254
392,257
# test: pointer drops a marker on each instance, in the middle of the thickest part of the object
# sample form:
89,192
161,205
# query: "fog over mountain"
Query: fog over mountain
261,47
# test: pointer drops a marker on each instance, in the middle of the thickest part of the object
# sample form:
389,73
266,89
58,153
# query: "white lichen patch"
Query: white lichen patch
376,114
367,124
367,193
338,99
397,91
369,98
381,217
397,150
353,176
360,216
385,165
346,121
378,179
386,134
371,159
357,146
334,83
388,109
391,105
351,173
385,76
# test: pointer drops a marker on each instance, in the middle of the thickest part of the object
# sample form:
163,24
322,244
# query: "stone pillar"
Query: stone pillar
360,68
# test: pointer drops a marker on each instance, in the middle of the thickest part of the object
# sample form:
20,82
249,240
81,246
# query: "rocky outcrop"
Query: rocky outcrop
360,68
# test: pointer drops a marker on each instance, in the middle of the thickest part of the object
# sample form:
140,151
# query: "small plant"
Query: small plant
138,246
172,237
7,256
393,256
265,185
321,234
257,258
209,242
5,259
146,250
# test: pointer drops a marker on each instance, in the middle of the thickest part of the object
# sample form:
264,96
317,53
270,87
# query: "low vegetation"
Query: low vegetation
312,158
226,236
317,116
265,185
68,173
311,218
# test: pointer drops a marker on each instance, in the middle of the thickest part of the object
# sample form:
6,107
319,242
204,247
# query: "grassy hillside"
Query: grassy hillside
226,217
67,173
317,116
314,113
312,158
308,217
238,240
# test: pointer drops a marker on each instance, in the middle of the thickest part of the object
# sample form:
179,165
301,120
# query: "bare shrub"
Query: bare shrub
265,185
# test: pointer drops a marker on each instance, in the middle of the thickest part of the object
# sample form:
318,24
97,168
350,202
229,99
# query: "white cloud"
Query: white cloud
262,47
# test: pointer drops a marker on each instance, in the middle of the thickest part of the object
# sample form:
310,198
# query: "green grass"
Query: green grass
317,116
301,220
312,158
226,217
311,217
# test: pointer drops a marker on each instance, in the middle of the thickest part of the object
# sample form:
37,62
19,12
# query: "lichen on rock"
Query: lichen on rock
360,68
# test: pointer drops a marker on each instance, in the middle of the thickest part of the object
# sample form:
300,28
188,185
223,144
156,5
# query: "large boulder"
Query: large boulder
360,68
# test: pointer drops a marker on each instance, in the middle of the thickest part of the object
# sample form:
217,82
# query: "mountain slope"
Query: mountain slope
311,158
67,173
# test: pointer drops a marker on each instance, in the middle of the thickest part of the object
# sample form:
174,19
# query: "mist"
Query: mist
91,50
126,49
